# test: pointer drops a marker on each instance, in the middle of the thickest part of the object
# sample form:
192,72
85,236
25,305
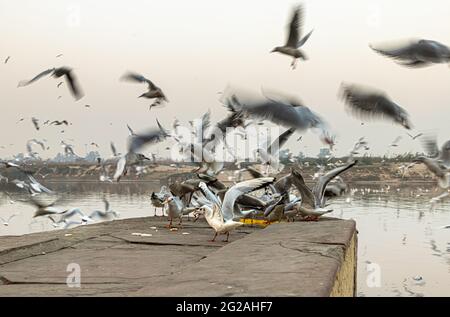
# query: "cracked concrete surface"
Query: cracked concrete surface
286,259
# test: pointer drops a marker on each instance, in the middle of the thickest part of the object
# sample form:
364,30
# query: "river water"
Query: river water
403,249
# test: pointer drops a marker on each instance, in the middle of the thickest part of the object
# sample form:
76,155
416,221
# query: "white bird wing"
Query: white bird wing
319,189
239,189
121,163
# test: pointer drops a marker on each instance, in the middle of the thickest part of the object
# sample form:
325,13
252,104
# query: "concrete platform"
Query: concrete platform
286,259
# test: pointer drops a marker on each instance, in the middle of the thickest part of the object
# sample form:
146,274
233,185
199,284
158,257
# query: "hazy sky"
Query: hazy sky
194,49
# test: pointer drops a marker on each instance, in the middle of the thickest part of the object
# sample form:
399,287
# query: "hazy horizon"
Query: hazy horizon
194,49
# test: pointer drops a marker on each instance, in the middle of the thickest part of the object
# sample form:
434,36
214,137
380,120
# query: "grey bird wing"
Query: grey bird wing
371,104
298,117
406,52
113,149
74,85
305,191
304,39
120,168
429,144
295,26
239,189
44,73
280,141
137,141
134,77
319,189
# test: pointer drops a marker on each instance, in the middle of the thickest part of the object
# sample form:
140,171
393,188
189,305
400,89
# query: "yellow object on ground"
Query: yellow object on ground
251,221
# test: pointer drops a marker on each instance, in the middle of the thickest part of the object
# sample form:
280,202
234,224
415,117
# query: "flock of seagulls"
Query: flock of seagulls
269,194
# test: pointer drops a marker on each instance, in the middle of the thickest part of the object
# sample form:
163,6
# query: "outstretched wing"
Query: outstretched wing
44,73
295,27
239,189
319,189
134,77
74,85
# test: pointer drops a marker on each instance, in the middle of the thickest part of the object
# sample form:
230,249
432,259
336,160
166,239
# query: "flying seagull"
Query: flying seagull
418,53
56,122
104,214
57,73
35,123
295,39
154,92
7,59
314,202
270,155
369,103
285,111
135,143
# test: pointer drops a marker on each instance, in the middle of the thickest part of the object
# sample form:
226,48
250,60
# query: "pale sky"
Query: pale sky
194,49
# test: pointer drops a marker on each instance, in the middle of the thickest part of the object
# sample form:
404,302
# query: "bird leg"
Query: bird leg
294,63
170,224
228,235
214,239
180,224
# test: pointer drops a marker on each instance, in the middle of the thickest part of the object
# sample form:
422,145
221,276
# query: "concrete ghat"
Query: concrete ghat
286,259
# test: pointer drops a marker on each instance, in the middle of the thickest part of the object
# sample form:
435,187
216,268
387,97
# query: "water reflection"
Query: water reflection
398,230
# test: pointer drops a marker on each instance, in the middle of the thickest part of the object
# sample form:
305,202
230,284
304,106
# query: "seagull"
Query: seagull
8,220
429,143
270,155
288,112
295,39
418,53
68,149
7,59
438,161
135,143
367,102
395,142
176,209
57,122
158,199
313,203
104,214
35,123
154,92
233,193
220,215
57,73
414,136
69,213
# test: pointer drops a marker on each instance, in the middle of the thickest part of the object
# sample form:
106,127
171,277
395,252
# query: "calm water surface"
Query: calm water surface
402,248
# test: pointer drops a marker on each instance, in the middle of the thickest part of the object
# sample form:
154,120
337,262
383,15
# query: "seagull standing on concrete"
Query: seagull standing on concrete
295,39
220,215
57,73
